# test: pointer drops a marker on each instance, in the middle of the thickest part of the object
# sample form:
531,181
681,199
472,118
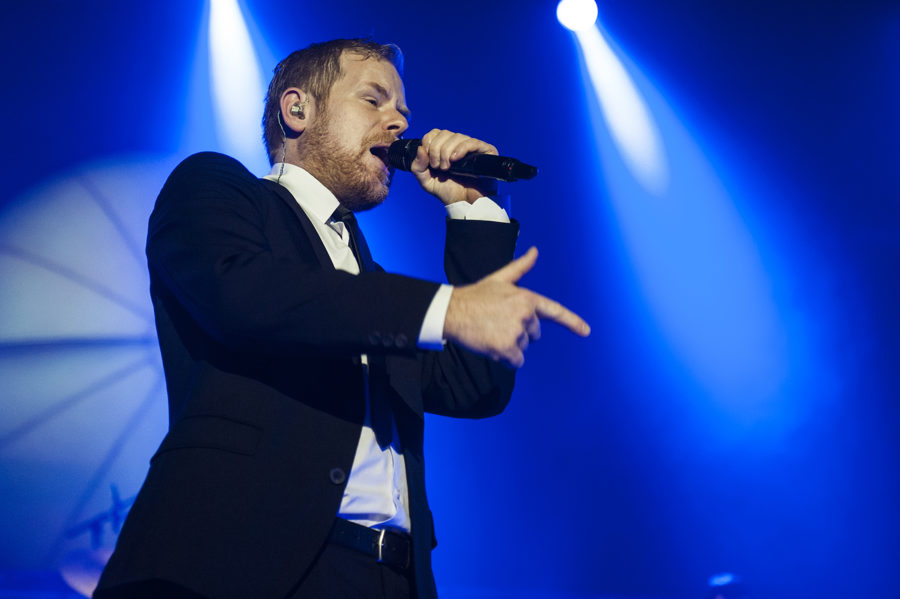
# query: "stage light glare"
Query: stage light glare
628,118
698,265
577,15
236,83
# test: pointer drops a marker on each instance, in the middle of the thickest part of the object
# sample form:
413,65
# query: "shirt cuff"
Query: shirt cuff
484,208
431,335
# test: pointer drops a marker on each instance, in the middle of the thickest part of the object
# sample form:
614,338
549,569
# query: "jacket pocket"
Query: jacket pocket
211,432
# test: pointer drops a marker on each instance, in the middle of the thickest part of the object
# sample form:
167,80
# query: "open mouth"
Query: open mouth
381,152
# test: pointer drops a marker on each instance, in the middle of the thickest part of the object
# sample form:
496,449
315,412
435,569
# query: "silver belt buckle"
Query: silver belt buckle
380,543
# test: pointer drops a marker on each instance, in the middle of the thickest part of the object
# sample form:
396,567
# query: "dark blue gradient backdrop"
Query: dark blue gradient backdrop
734,409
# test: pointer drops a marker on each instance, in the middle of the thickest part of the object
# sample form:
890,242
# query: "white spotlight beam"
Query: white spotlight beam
632,128
235,83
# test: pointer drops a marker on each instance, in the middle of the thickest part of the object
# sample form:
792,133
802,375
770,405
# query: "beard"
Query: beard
342,170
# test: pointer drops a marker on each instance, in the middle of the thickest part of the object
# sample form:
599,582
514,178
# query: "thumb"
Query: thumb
514,271
420,164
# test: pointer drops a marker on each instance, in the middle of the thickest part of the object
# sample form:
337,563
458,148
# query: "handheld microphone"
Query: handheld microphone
403,151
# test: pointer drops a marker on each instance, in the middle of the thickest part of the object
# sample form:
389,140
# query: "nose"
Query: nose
396,123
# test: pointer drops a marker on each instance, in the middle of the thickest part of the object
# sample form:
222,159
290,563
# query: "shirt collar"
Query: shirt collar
315,199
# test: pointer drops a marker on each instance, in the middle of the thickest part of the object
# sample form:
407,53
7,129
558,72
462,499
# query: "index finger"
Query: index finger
549,309
470,144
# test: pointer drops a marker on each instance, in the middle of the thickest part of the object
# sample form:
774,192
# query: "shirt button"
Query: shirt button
337,476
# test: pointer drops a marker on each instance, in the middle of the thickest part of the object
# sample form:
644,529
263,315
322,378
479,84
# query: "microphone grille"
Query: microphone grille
402,152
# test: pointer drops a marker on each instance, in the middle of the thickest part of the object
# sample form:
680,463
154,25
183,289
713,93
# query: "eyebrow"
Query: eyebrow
384,92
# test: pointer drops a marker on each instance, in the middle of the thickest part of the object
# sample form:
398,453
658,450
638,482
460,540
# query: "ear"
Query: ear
296,120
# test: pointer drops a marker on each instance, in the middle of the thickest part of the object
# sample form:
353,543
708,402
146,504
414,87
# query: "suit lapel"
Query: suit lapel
403,372
308,228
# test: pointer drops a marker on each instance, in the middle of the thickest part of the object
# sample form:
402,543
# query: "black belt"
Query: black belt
393,549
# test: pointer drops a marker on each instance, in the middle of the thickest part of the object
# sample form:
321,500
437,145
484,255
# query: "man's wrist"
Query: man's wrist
431,335
484,208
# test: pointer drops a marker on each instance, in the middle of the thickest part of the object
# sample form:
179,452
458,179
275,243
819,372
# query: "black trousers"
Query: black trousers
343,573
337,573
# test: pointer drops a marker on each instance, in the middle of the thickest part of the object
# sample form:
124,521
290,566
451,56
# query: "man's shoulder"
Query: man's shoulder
211,172
212,163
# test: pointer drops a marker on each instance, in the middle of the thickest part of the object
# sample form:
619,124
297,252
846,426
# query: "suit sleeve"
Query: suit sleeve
217,243
457,382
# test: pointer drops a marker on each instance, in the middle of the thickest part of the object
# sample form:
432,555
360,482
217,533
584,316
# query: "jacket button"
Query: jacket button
337,476
375,338
387,340
401,340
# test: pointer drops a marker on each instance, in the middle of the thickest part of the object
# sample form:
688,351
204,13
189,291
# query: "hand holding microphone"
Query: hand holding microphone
403,152
454,167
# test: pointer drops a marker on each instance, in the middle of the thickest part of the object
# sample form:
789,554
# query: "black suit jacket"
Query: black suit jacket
260,337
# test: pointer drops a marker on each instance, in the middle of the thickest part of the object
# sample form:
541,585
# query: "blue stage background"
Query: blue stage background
735,408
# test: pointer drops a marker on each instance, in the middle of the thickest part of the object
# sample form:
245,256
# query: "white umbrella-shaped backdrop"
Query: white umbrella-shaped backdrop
82,392
83,395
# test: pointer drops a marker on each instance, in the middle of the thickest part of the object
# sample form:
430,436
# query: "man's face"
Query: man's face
345,145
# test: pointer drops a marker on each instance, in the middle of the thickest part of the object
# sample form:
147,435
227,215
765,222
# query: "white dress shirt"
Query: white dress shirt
376,493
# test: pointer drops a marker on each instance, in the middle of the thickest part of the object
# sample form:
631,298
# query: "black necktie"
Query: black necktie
358,244
379,405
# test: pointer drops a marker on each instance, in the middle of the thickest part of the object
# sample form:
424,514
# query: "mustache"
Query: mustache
379,140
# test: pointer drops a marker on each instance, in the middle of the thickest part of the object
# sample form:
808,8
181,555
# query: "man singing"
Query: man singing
298,371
